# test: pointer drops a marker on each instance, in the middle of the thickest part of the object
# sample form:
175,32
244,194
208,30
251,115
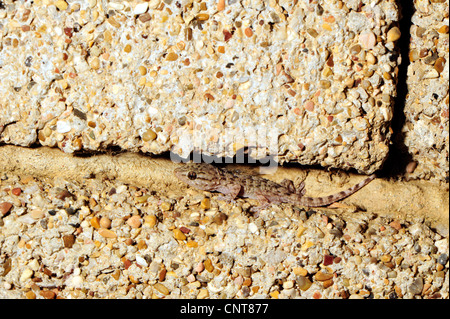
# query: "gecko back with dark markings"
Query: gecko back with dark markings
210,178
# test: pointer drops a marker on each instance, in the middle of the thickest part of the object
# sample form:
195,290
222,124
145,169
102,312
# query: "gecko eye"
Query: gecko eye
192,175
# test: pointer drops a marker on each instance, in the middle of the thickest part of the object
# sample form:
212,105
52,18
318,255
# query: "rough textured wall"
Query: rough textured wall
426,128
315,80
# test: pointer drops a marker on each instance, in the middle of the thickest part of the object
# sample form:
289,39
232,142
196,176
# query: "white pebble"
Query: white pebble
154,3
288,284
63,127
190,278
140,8
141,261
121,189
26,219
75,281
34,265
442,245
27,273
252,228
431,74
116,6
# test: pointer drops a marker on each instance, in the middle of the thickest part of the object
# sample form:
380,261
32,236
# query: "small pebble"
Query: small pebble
95,222
220,5
300,271
162,274
134,221
317,295
141,261
105,222
395,224
190,278
309,105
288,284
321,276
439,65
30,295
367,39
161,288
61,5
205,203
185,230
306,245
37,214
203,294
327,283
199,268
63,194
208,265
416,287
48,294
77,281
392,274
149,135
252,228
274,294
178,234
107,233
26,274
303,283
386,258
150,221
68,240
393,34
192,244
327,260
442,259
140,8
444,29
411,167
63,127
248,282
172,56
126,263
220,218
16,191
4,208
166,206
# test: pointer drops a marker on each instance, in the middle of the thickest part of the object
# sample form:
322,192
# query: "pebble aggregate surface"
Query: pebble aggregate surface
106,239
144,75
312,83
426,129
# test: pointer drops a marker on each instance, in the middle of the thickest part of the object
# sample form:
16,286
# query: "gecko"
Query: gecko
208,177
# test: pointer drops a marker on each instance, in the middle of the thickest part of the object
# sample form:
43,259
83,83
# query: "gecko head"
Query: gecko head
199,175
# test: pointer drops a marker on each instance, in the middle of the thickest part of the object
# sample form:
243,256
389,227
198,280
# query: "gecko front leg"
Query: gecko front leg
264,201
230,191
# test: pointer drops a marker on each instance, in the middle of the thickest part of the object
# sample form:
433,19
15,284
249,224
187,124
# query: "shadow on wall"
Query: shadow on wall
399,157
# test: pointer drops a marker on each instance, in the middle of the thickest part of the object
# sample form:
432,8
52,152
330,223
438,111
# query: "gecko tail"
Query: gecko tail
327,200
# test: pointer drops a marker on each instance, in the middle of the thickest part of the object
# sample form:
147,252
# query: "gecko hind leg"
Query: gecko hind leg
287,183
300,190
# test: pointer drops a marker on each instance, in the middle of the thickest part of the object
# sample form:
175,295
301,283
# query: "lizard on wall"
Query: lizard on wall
211,178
